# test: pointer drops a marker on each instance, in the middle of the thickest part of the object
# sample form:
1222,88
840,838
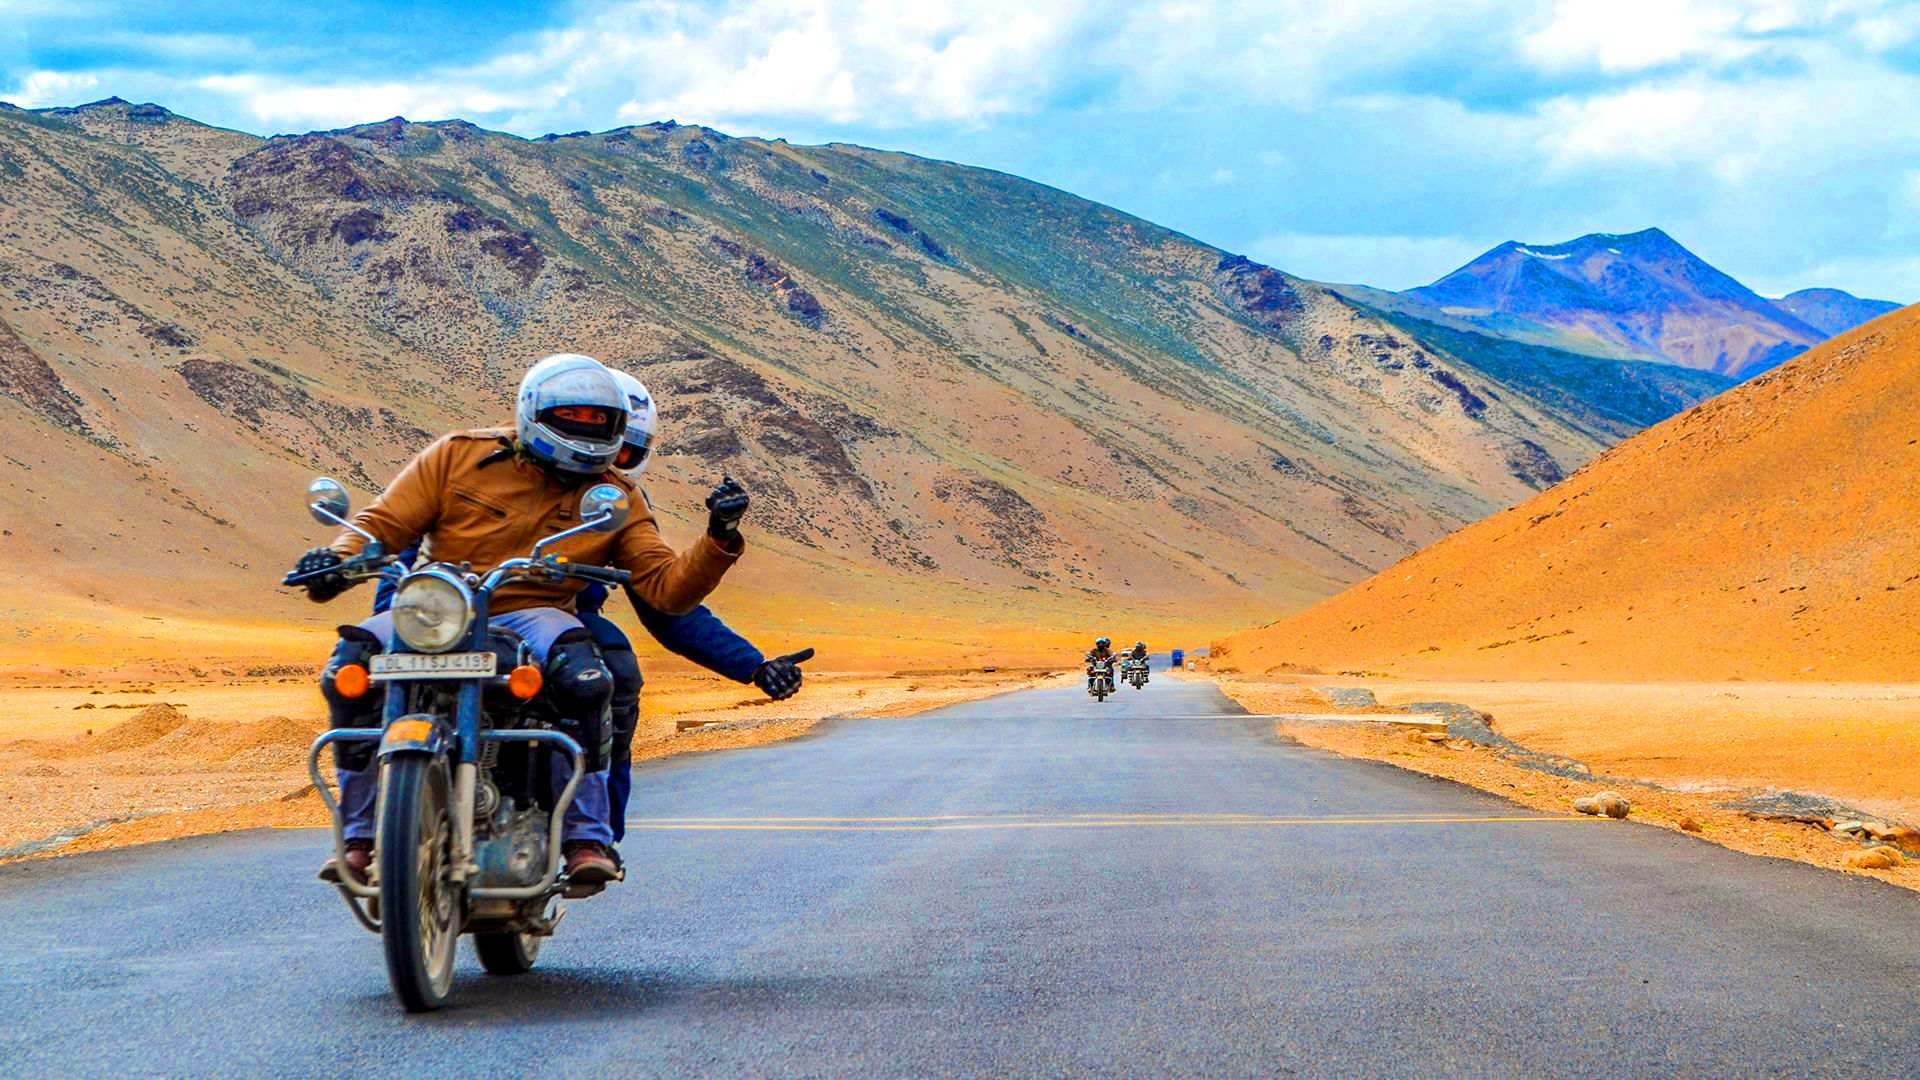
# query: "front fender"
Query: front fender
415,733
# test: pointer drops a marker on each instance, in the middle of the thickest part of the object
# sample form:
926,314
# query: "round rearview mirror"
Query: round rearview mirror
605,500
327,501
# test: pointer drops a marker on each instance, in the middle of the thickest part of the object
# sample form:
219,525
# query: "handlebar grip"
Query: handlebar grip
603,575
353,569
294,577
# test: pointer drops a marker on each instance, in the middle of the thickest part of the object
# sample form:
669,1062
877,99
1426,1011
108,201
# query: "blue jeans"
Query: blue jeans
586,817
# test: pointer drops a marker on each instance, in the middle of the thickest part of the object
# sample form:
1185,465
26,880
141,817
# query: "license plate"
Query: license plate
455,665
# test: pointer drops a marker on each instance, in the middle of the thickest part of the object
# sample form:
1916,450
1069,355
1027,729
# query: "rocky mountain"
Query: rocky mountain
1638,295
1833,311
967,404
1771,533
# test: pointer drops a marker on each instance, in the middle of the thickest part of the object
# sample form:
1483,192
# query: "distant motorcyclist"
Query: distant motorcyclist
481,497
1139,650
1102,656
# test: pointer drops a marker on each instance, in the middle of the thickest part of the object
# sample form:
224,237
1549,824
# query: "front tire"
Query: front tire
507,952
419,905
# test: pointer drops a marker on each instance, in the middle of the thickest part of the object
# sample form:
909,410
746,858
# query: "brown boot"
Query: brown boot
359,858
589,862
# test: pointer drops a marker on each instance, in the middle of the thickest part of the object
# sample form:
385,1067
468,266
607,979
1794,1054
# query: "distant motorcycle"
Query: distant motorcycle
1135,673
1100,679
468,837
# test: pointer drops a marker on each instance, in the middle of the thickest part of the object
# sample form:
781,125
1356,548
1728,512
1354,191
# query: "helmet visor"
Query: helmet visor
597,422
630,456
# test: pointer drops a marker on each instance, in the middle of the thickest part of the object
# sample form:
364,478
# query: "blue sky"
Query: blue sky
1383,141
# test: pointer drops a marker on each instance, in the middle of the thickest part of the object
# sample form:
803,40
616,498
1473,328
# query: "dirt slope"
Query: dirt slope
1771,533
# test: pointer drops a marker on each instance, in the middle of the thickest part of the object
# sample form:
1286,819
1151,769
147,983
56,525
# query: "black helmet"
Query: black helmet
1102,643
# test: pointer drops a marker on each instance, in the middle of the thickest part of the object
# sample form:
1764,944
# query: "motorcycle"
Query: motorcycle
468,830
1136,673
1100,679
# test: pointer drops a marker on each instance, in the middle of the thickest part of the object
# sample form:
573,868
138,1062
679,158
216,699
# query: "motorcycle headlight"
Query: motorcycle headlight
431,612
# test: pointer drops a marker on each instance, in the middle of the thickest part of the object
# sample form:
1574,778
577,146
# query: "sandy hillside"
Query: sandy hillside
1772,533
968,405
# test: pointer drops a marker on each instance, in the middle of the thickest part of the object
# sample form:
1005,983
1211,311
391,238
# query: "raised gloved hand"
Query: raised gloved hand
327,586
780,677
726,504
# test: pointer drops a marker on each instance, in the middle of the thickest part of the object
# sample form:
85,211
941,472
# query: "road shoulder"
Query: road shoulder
1363,733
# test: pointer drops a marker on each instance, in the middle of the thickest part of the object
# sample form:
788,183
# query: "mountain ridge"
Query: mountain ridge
947,385
1641,295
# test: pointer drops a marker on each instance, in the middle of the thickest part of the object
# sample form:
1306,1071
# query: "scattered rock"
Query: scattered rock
1904,837
1687,824
1348,697
1874,858
1609,803
1436,738
1849,828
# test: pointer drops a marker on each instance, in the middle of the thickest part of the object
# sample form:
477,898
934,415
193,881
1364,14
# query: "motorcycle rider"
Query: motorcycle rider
483,496
1137,659
1102,655
698,635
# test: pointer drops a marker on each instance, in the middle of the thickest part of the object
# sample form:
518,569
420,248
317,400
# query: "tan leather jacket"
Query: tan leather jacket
472,500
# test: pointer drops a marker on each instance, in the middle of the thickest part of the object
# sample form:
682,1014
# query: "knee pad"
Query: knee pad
579,688
356,646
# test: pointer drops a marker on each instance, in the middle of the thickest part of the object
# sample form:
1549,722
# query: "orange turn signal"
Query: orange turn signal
525,681
351,681
404,731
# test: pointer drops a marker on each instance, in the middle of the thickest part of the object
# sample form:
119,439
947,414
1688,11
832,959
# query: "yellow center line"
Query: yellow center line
1113,815
935,825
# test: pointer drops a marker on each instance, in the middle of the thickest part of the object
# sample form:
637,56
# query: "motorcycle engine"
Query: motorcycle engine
516,851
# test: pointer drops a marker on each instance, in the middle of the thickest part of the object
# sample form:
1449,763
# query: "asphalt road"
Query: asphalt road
1029,884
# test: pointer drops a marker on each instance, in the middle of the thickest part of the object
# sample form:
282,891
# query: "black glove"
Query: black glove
779,678
726,504
324,588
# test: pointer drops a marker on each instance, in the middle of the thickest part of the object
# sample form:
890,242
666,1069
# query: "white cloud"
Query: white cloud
43,88
1830,111
844,62
1632,35
277,102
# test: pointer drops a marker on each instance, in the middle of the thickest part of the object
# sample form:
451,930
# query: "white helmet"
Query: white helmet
642,420
570,414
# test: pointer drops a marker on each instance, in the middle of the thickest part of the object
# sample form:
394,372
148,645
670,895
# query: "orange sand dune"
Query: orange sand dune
1770,533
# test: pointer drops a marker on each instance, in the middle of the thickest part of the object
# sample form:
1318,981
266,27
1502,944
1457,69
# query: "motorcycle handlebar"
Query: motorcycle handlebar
352,569
603,575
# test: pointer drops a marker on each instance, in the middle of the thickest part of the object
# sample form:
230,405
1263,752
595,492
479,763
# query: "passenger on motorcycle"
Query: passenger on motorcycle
484,496
699,635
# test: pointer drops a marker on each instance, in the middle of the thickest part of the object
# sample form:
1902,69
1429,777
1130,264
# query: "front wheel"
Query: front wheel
419,904
507,952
